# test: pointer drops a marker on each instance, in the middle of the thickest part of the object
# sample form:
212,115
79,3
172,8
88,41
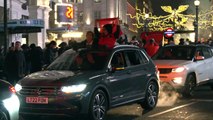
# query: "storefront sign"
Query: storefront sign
64,13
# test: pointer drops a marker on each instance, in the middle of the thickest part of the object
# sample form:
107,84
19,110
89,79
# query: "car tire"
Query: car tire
98,106
151,96
190,84
3,115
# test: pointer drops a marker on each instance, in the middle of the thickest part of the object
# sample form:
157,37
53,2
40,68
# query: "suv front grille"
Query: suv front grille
165,70
40,91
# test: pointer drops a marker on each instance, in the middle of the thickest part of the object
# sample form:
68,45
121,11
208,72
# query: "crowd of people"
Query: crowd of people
22,60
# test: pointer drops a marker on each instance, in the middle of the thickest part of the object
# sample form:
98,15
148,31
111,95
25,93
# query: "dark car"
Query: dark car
90,82
9,102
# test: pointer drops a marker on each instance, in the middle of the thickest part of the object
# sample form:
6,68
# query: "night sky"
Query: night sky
175,3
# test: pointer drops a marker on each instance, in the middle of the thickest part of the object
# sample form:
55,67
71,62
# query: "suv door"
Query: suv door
138,70
200,66
207,53
119,80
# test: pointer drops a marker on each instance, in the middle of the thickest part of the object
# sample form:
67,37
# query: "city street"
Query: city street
170,107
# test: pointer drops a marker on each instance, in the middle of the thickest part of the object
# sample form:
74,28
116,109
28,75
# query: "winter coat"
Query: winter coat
15,65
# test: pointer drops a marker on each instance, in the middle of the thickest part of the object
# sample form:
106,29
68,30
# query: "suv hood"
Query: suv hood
174,63
57,78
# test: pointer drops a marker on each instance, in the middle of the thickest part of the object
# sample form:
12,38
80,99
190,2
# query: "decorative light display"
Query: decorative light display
206,19
175,19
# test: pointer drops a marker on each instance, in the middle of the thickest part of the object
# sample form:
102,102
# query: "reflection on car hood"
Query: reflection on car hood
52,78
164,63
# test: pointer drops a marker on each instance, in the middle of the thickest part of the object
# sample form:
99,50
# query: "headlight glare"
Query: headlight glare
179,69
18,87
73,88
178,80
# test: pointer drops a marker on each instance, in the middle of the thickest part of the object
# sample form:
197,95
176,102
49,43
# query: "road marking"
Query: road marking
169,110
202,100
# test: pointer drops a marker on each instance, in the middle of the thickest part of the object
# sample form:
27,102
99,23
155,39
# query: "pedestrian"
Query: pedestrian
181,41
15,64
50,53
36,58
122,40
134,41
26,51
151,47
63,47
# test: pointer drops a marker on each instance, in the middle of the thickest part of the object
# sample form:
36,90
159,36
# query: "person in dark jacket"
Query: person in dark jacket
89,42
63,47
49,53
15,64
26,49
36,58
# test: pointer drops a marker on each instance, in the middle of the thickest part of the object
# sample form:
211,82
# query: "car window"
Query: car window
133,57
207,53
143,57
175,53
82,60
118,60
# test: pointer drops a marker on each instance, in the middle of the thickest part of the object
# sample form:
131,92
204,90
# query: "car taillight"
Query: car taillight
12,89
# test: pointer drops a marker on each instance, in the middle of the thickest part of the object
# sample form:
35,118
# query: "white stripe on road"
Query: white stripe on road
202,100
160,113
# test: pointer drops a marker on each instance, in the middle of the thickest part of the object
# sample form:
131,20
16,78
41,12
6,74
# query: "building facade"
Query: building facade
84,15
27,21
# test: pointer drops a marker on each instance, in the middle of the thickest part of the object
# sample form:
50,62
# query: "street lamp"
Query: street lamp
5,27
196,3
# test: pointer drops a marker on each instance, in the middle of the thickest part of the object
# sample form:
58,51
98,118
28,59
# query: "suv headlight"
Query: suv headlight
18,87
73,88
179,69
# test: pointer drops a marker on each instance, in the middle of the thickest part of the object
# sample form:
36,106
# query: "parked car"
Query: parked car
185,66
89,82
9,102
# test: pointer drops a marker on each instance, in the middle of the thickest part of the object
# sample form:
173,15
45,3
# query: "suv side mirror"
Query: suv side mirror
198,58
44,67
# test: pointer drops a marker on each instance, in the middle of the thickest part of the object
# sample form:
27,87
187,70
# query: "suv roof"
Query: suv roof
125,46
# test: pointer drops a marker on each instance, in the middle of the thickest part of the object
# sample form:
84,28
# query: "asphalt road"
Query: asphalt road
171,106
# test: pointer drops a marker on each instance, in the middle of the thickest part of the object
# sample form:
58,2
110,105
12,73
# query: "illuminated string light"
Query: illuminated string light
175,18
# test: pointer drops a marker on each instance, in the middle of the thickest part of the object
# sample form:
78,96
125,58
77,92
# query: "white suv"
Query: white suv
185,66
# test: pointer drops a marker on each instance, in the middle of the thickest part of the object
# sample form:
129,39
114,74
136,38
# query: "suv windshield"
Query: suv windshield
175,53
80,60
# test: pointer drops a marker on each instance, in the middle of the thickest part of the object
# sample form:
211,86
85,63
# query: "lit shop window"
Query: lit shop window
97,1
79,1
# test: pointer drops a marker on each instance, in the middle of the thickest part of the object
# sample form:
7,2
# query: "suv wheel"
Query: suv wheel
3,115
189,87
98,106
151,97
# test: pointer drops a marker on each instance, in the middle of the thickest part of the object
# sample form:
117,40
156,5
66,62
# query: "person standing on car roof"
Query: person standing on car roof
107,38
89,42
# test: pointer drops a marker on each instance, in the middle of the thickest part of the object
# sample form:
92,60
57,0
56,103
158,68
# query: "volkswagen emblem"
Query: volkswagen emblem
39,91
